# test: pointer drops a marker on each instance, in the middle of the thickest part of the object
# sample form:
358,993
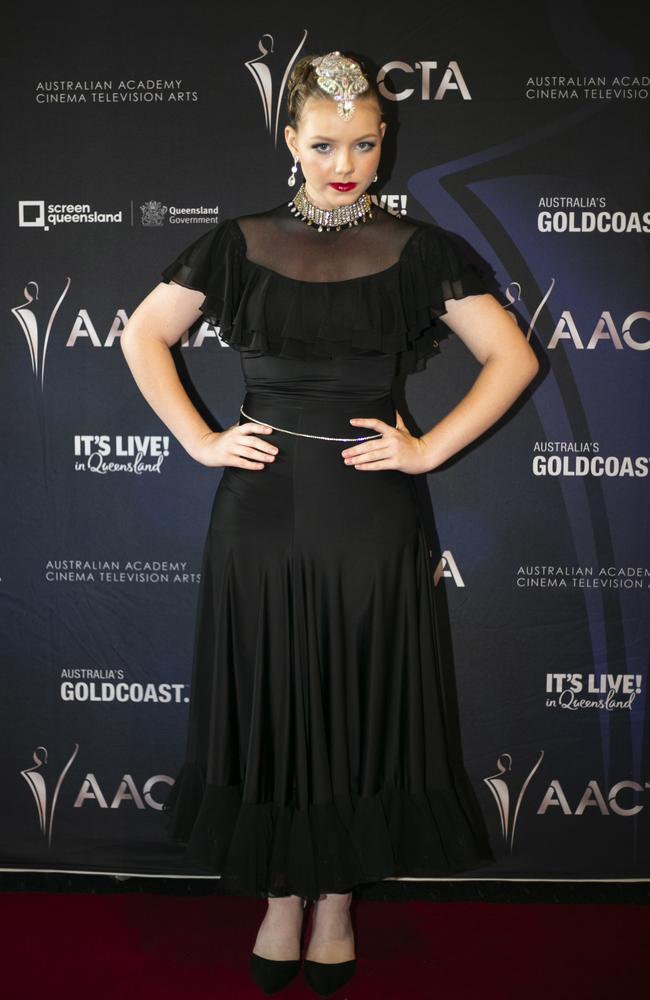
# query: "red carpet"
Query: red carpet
90,947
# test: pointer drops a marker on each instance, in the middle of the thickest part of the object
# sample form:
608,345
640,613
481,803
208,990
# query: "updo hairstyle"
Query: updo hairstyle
303,84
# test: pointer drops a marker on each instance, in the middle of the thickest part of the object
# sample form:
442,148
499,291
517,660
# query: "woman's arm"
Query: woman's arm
509,364
155,325
158,322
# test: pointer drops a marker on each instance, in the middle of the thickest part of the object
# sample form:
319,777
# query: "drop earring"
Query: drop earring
375,178
292,176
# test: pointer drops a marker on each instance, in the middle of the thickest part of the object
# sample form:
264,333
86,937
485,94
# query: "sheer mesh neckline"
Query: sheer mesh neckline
272,233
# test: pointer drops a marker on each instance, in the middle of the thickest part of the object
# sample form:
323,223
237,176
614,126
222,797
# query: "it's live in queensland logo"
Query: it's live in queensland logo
135,453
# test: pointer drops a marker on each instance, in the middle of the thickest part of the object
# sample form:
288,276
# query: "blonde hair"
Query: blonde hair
303,84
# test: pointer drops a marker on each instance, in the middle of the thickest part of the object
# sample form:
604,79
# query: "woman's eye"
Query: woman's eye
319,146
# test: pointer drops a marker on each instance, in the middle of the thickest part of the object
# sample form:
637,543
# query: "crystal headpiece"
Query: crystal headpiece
342,79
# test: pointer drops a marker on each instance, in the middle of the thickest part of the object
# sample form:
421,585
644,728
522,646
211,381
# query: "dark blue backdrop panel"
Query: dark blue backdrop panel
129,148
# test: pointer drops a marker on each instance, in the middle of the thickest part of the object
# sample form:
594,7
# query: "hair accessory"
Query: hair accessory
331,218
341,78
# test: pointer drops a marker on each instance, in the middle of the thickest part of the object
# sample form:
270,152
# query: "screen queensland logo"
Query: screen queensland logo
39,214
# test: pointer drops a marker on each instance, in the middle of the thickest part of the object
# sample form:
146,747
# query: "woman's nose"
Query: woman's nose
344,163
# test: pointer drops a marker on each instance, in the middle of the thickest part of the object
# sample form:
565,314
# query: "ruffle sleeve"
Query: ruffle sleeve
212,265
433,269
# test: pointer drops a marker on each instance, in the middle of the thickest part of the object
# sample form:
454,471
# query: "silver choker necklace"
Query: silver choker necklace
331,218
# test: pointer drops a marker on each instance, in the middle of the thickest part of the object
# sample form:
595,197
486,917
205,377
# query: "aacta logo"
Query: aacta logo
447,567
38,328
46,782
31,320
261,70
510,790
37,341
266,73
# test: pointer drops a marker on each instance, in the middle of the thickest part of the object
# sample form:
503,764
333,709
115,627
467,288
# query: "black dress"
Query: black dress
316,755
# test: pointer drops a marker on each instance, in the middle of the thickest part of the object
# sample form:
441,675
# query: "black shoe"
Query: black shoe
271,974
327,977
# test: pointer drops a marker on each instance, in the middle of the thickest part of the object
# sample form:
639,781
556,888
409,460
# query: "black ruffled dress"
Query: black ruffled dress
316,754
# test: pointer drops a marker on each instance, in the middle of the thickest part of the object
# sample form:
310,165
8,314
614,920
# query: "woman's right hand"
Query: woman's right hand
237,446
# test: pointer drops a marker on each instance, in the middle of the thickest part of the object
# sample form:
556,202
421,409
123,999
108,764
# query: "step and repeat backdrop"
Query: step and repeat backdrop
129,133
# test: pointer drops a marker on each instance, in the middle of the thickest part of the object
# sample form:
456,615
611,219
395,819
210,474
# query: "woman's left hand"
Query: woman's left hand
395,449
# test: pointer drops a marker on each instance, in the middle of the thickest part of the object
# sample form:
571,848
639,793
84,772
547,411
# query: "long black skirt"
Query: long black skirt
317,757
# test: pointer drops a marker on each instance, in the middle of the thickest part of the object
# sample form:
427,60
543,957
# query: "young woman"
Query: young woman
316,756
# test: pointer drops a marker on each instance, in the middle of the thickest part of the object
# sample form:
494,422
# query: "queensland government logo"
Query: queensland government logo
153,213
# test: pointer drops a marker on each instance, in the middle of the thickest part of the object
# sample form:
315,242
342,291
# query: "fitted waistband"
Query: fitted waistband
320,437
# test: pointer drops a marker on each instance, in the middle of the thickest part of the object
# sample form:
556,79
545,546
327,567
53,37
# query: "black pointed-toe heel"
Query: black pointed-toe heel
271,974
327,977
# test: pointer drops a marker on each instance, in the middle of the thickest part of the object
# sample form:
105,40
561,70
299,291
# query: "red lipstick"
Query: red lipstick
344,187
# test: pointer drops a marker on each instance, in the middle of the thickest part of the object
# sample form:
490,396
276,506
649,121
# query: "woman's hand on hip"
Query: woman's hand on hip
237,446
395,449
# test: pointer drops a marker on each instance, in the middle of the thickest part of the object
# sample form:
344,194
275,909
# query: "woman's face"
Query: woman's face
333,151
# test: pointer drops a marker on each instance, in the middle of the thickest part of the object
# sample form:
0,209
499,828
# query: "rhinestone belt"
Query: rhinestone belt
321,437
